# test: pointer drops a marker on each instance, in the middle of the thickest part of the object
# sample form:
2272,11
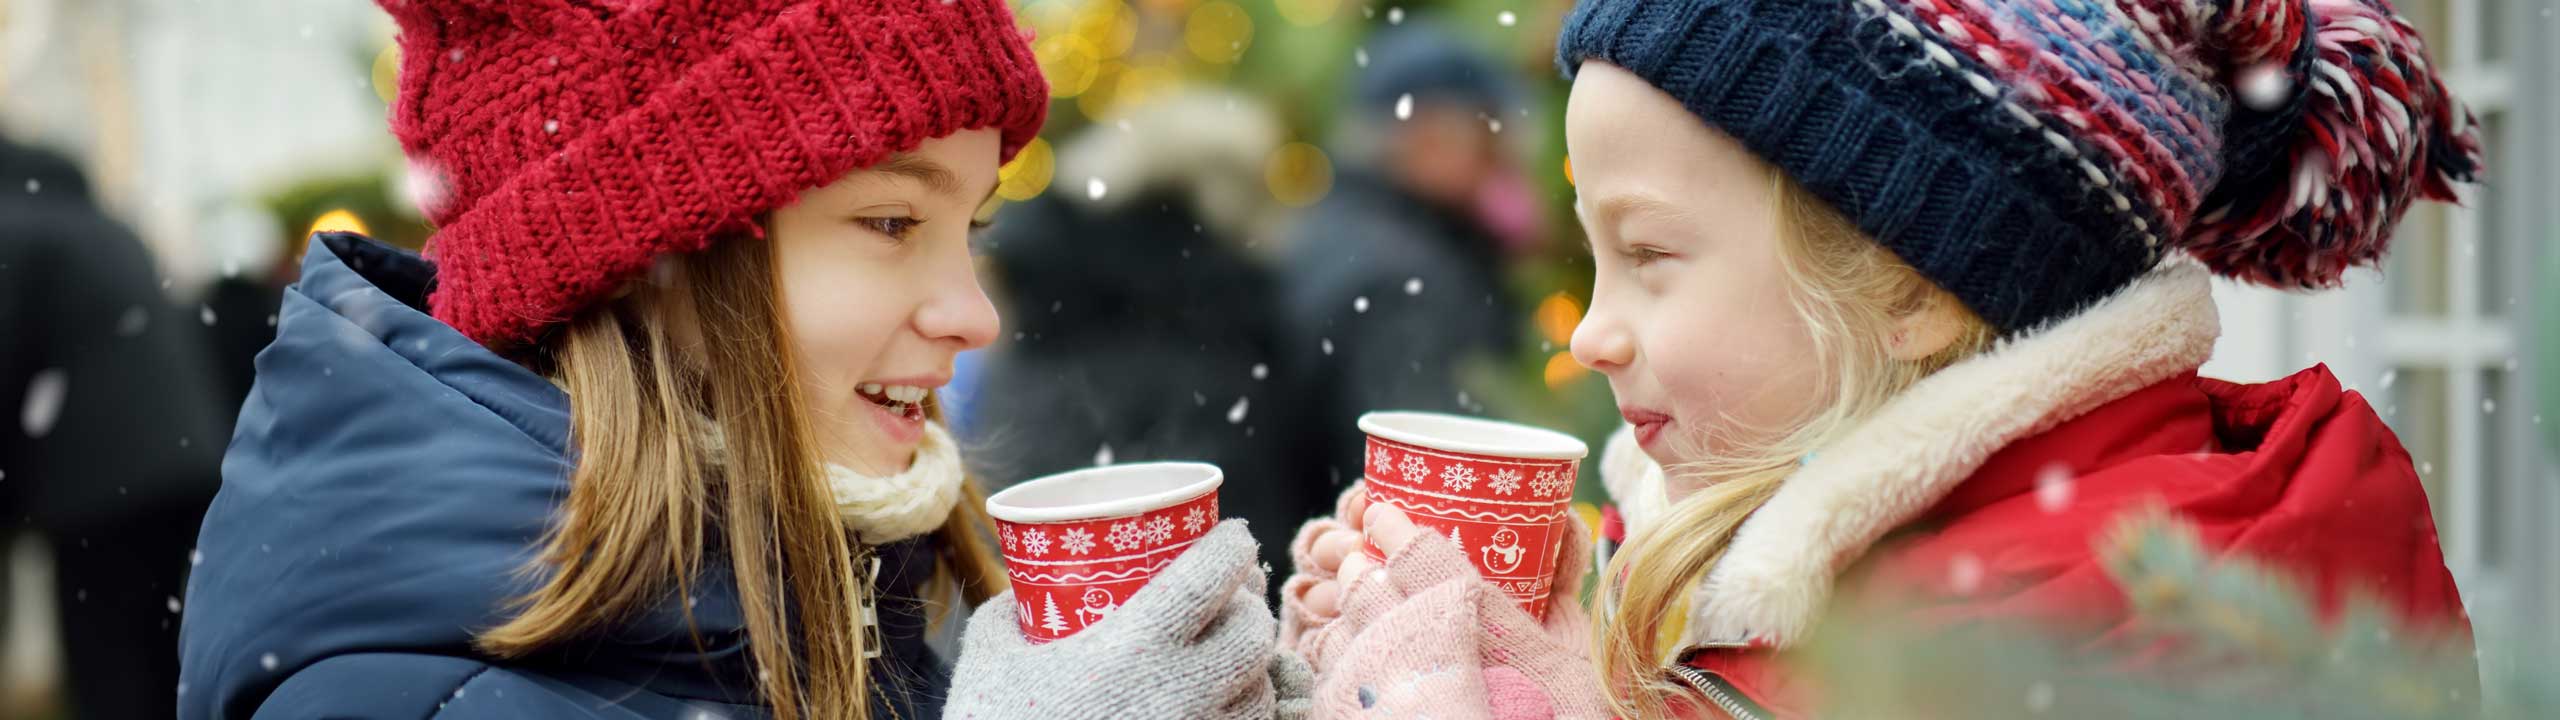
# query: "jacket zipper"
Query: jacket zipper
1720,693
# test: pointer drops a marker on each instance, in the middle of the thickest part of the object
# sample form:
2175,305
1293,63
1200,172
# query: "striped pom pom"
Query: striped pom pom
2321,171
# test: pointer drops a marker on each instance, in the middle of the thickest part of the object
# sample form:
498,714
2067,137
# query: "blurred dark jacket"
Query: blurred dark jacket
1145,330
126,423
1390,297
389,481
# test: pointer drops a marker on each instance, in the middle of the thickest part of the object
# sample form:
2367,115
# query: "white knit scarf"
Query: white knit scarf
883,510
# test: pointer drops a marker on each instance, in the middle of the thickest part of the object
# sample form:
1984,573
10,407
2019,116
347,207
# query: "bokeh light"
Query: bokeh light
1218,32
386,73
1299,174
1307,13
1557,316
338,220
1070,62
1029,173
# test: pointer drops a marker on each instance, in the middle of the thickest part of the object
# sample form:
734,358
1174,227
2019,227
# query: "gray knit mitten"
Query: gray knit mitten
1196,642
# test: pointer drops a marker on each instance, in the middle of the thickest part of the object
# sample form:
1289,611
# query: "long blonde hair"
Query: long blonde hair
1849,292
646,498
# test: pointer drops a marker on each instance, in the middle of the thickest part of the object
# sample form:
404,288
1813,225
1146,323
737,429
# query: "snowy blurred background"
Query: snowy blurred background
1215,165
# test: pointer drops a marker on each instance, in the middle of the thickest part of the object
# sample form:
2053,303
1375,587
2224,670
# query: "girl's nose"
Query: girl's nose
1601,343
960,310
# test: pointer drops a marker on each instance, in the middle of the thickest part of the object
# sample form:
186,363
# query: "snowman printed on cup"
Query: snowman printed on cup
1505,554
1097,603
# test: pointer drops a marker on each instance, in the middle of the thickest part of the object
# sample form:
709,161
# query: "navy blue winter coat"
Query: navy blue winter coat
388,482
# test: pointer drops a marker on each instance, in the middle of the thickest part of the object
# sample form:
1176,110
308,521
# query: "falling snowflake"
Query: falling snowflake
1505,481
1007,534
1415,470
1036,541
1383,460
1159,530
43,404
1125,536
1194,519
1964,573
1076,541
2054,486
1458,477
1549,482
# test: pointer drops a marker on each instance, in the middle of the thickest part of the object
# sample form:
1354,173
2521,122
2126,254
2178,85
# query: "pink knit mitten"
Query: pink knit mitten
1426,632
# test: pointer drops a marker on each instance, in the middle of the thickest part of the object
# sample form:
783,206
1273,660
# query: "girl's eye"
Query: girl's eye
1642,256
894,227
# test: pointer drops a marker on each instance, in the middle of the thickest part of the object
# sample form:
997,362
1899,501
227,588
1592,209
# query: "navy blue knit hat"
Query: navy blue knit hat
2033,156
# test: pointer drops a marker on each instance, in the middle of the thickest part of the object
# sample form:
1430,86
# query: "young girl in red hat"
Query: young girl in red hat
650,429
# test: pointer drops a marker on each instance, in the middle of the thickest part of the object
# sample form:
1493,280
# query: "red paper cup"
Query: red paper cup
1502,491
1077,544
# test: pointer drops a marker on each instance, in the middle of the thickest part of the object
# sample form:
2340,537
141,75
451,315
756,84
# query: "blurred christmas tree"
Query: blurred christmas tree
2245,642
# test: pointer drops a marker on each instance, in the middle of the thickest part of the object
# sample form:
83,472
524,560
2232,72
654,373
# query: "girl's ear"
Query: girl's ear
1928,330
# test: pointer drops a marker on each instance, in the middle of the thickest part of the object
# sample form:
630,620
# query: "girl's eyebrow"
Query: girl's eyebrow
1618,207
935,177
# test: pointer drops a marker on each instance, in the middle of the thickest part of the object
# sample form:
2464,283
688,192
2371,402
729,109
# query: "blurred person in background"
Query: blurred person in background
114,432
1395,280
1146,323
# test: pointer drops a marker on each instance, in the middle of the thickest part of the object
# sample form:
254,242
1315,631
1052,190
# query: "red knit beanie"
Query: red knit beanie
564,145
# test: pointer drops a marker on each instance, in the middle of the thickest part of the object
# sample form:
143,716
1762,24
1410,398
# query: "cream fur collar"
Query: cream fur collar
1776,580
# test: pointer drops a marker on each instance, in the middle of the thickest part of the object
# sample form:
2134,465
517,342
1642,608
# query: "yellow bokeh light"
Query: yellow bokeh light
1299,174
1557,316
1110,25
1028,174
1105,92
1146,80
1568,171
1166,7
339,220
1070,62
1218,32
386,73
1048,18
1562,370
1306,13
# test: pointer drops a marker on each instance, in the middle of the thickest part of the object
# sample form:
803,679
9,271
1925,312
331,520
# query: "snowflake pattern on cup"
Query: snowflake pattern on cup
1193,520
1504,481
1382,461
1457,478
1125,536
1550,483
1035,541
1076,541
1416,469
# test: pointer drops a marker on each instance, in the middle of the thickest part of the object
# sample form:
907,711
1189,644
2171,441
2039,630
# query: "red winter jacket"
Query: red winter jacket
2297,474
